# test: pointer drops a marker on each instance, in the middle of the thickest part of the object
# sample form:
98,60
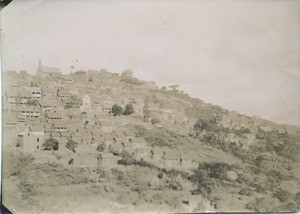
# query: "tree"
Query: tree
116,110
128,109
51,144
71,144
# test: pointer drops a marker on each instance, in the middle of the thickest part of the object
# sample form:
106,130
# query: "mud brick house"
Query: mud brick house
21,118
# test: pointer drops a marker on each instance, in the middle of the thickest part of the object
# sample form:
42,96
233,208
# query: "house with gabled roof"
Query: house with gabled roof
63,94
31,140
48,94
50,106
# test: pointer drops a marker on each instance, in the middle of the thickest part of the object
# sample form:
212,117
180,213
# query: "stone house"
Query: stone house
172,161
9,121
49,93
63,94
50,106
53,116
29,111
141,153
59,126
31,140
107,106
68,80
35,91
49,89
15,98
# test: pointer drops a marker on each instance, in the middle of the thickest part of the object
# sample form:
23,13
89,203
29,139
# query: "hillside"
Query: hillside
173,154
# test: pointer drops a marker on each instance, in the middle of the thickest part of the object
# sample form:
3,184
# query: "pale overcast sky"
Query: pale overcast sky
241,55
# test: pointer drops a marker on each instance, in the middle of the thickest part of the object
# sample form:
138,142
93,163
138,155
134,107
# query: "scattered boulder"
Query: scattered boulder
231,175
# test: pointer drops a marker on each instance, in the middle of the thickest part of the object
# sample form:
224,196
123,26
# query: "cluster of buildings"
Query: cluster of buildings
78,107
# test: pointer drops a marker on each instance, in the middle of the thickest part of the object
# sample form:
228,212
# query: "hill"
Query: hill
174,153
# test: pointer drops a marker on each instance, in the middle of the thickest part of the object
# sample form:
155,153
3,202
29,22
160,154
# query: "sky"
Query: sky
241,55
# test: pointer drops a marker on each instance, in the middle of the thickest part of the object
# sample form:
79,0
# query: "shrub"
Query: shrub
282,195
128,109
116,110
50,144
101,147
154,121
71,144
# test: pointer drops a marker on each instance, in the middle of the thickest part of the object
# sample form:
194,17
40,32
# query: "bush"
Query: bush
128,109
101,147
50,144
116,110
71,144
154,121
282,195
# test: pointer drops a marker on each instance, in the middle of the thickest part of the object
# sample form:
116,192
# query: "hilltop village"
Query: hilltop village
79,106
123,144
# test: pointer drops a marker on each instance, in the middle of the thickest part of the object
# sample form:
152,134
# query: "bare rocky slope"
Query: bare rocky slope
242,163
